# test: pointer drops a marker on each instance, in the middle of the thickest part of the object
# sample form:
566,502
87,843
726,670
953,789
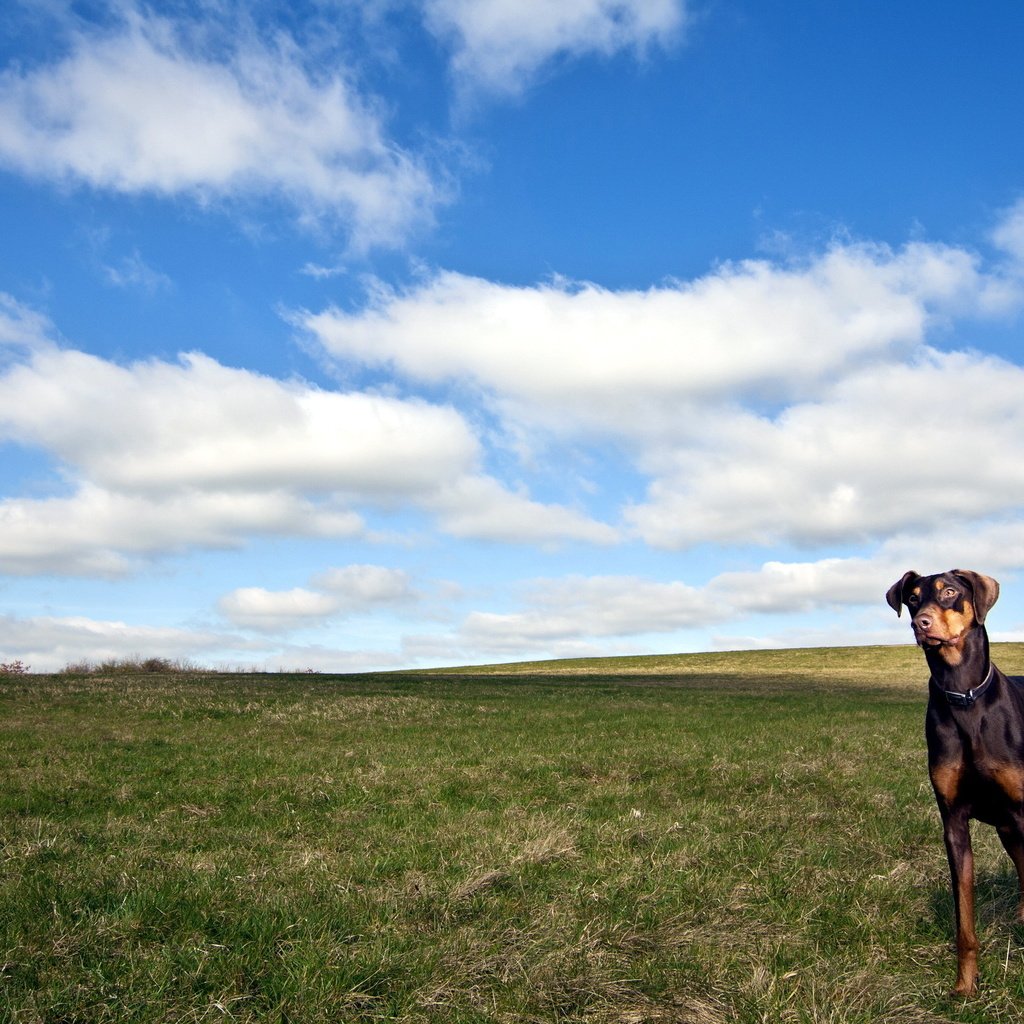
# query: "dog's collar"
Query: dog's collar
966,700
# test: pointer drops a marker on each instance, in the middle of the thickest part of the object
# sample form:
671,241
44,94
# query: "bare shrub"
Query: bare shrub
134,665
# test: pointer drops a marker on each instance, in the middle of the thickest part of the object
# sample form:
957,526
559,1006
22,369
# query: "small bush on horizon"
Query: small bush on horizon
14,668
129,666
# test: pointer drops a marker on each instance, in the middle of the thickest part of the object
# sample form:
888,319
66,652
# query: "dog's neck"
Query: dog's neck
964,667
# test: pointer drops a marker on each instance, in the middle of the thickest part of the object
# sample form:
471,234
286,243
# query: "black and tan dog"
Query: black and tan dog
975,731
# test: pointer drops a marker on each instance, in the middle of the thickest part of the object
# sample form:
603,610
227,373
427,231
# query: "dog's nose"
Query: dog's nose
924,621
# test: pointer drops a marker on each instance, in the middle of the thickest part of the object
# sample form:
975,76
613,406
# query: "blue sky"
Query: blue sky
344,335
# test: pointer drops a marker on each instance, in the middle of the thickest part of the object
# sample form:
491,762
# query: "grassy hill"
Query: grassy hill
883,666
874,662
701,838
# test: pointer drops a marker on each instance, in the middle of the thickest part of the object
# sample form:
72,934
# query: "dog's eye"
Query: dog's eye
949,593
913,599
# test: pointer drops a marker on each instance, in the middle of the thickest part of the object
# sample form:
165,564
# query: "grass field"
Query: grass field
708,839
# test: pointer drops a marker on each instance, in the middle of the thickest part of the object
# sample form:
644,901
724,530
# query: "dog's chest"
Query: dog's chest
977,760
988,786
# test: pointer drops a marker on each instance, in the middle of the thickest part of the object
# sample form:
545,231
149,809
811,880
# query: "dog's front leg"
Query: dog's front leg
957,834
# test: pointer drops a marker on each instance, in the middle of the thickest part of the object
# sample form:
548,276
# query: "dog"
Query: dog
975,732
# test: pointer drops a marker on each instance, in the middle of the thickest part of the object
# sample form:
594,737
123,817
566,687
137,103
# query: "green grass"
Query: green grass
712,838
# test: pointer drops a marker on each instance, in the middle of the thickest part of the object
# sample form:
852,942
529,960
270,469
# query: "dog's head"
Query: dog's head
944,607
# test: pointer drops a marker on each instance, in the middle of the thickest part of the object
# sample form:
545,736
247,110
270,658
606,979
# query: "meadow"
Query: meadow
707,838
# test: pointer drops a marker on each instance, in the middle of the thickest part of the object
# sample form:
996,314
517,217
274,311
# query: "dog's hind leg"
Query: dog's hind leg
1012,838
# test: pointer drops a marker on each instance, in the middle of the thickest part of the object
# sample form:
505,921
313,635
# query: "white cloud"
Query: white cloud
581,609
134,272
100,532
350,590
580,356
586,607
357,587
267,610
893,448
140,110
481,507
500,45
1009,233
22,327
785,587
157,457
156,426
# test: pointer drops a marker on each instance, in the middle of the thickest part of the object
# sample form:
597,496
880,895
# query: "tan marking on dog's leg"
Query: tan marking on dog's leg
946,779
966,937
961,868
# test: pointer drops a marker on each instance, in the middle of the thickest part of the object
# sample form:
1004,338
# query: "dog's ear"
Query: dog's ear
985,591
894,595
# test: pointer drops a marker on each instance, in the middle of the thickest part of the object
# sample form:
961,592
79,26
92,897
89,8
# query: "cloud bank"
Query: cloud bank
158,457
764,403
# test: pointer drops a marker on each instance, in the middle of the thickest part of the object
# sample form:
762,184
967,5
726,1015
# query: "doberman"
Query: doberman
975,731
